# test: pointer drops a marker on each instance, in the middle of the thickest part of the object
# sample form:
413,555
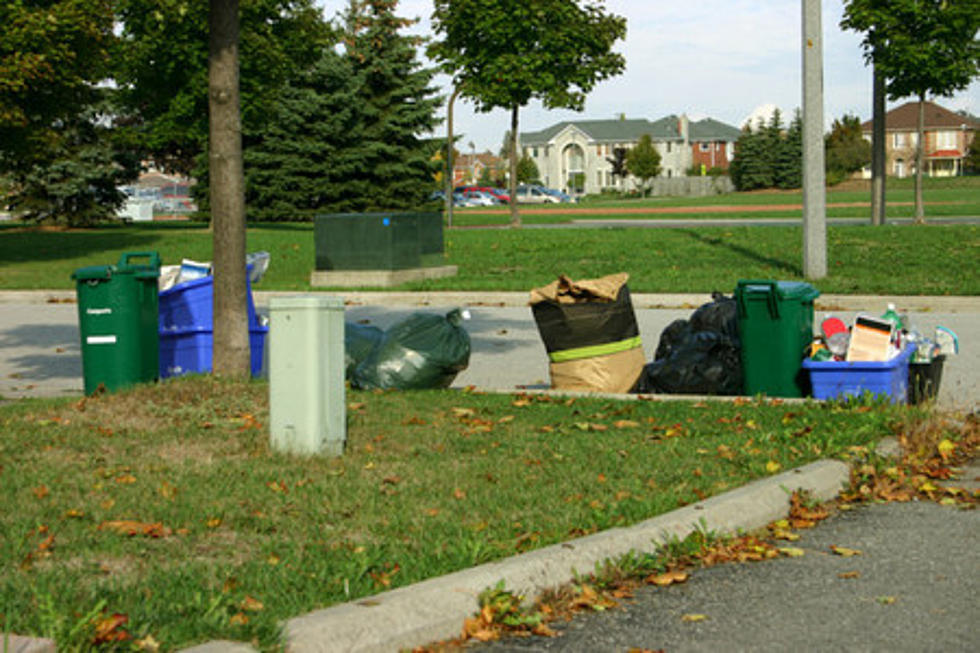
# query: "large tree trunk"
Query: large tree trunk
920,210
231,341
515,216
878,159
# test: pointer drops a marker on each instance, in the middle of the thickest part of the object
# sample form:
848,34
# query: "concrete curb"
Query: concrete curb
434,609
936,304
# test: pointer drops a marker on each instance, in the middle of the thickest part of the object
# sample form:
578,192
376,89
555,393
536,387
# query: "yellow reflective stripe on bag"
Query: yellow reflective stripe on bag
595,350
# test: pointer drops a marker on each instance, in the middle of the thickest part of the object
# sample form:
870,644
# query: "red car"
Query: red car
496,192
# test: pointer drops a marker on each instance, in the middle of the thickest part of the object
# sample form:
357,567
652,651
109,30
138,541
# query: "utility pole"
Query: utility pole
814,175
450,165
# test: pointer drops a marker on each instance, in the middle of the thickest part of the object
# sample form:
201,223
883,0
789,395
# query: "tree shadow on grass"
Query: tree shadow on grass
33,245
778,264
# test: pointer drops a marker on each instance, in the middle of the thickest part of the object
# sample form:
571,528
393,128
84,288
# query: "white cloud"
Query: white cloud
719,58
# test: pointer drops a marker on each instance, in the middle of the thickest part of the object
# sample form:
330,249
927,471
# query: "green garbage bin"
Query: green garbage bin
118,321
775,323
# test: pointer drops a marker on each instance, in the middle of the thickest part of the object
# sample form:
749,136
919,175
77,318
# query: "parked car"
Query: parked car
562,197
535,195
499,194
480,198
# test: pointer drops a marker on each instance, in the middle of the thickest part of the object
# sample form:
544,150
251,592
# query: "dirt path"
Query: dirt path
668,210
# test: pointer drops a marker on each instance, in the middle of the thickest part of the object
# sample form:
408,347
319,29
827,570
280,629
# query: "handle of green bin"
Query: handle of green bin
771,302
154,258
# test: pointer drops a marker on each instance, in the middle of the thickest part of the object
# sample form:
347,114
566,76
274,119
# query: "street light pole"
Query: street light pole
814,175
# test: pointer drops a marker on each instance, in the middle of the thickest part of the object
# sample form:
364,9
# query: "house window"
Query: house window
945,140
705,147
668,147
598,178
898,140
534,152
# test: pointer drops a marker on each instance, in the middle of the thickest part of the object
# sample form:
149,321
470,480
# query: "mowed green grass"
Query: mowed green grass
164,503
894,259
904,260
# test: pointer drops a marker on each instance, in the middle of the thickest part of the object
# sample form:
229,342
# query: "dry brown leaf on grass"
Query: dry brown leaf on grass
132,528
108,629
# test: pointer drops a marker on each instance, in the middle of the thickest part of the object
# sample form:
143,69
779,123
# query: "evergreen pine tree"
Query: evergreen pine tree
300,163
788,163
397,102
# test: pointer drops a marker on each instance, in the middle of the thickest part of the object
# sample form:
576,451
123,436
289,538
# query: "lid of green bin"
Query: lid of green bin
799,290
94,273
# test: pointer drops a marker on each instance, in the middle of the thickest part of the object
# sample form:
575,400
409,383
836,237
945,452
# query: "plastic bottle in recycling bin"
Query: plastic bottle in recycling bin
117,319
775,323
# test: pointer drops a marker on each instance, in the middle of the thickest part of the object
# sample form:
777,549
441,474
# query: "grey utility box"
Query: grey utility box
307,409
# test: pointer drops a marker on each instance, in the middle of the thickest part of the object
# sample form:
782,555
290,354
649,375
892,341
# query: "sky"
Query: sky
721,59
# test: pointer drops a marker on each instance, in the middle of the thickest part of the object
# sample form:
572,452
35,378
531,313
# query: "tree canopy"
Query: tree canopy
505,53
847,150
643,161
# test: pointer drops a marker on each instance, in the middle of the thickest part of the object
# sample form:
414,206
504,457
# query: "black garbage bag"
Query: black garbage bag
359,341
422,351
720,315
673,336
706,363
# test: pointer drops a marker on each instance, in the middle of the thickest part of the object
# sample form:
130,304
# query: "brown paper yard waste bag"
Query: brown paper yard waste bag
590,333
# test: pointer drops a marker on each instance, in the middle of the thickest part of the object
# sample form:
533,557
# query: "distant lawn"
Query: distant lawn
913,260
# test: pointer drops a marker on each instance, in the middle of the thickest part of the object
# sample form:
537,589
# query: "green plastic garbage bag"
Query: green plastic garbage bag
359,341
421,351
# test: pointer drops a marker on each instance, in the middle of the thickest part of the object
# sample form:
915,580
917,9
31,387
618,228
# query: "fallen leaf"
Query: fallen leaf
107,629
148,643
251,604
131,528
667,578
844,551
789,536
238,619
694,618
772,467
626,424
946,448
125,479
41,491
273,559
167,491
459,494
791,551
463,412
213,522
886,600
849,574
353,406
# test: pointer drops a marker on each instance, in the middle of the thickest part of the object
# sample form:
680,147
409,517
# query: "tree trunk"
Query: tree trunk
515,216
231,339
920,210
450,177
878,159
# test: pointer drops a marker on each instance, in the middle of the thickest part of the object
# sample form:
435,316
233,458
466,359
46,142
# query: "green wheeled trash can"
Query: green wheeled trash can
118,321
775,323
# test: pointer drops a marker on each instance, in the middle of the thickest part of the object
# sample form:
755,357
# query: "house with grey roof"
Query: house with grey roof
574,155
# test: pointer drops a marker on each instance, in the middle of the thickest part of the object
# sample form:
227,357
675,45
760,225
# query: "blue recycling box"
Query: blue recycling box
841,379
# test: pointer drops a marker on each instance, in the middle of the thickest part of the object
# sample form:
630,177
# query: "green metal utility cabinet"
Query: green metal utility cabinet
307,411
775,323
377,241
118,321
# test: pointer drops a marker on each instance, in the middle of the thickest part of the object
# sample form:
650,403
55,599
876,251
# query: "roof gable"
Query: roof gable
619,131
710,129
906,118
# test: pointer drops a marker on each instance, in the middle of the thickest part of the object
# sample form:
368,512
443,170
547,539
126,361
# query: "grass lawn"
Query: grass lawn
912,260
165,504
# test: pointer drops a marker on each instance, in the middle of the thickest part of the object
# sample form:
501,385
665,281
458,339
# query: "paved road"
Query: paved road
916,590
40,353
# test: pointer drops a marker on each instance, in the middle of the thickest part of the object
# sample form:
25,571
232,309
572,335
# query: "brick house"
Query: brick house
947,137
575,154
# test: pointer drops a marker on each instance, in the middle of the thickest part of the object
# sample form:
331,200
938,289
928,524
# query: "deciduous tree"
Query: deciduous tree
921,47
643,162
503,54
847,150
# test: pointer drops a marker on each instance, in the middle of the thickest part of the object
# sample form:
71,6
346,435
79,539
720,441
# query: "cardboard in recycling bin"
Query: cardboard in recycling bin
590,332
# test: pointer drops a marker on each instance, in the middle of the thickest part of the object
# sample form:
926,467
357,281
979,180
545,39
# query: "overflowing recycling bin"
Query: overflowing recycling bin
775,322
117,318
186,328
